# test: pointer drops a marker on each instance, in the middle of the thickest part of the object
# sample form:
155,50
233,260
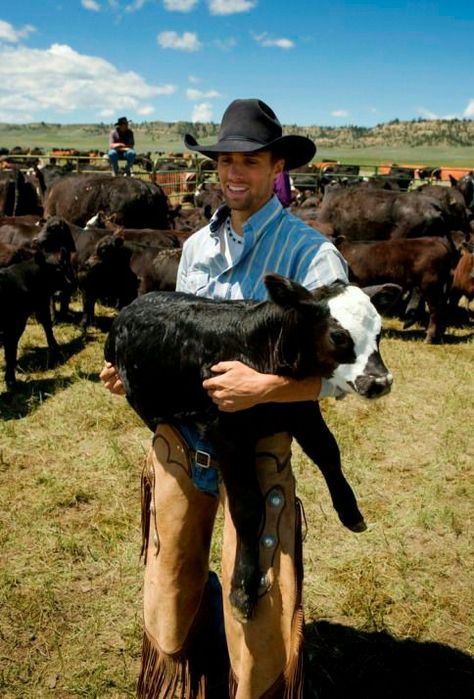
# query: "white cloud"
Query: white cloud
179,5
202,112
193,94
193,79
11,35
469,111
146,110
230,7
428,114
107,113
59,80
90,5
135,5
340,113
171,40
266,41
225,44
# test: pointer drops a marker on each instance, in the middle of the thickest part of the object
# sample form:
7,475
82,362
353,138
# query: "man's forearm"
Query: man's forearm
282,389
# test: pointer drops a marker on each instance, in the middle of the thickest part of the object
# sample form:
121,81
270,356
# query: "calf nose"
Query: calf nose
374,386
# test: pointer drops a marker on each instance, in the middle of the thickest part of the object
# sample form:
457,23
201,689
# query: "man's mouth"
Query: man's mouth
236,188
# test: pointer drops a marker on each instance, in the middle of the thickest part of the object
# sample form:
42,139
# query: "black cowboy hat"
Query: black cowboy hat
250,125
121,120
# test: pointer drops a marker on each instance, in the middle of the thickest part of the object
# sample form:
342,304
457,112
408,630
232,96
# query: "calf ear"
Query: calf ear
285,292
383,296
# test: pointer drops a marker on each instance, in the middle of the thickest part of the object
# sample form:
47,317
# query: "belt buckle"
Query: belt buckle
202,458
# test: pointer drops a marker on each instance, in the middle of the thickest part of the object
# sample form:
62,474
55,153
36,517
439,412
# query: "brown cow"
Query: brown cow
463,278
359,213
425,263
452,202
134,202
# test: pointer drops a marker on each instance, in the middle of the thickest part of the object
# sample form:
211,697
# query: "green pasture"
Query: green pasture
89,136
388,611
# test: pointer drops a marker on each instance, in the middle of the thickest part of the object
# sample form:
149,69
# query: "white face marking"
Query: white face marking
356,313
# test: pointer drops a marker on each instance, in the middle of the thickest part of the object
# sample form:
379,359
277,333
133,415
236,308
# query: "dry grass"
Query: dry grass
388,611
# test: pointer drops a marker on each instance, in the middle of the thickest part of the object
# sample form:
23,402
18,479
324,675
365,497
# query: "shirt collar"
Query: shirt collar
254,223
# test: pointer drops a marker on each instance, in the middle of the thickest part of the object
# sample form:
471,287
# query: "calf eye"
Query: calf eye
340,338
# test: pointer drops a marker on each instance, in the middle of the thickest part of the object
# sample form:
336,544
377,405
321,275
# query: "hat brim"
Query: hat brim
296,150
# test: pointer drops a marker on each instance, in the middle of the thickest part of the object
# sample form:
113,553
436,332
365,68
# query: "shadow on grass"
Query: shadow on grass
344,662
419,336
29,395
39,358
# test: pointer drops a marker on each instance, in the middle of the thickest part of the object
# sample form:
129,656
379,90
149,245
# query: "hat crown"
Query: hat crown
250,120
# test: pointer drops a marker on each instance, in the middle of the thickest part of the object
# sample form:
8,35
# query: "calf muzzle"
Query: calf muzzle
373,386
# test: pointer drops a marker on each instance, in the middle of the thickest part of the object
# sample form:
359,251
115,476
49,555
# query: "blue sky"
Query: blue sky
326,63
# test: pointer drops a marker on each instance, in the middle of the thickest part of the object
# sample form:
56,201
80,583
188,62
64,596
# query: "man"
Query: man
249,235
121,147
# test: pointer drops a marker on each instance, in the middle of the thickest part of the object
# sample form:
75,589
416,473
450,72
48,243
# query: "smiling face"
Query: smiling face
247,180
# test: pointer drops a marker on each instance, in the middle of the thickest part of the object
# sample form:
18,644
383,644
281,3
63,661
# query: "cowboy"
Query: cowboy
184,649
121,147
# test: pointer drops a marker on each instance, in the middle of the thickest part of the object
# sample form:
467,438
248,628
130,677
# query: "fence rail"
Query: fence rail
182,181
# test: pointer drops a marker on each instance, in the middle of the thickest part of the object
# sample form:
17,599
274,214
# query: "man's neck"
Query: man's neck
238,218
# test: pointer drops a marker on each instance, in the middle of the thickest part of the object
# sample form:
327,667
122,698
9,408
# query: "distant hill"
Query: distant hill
419,140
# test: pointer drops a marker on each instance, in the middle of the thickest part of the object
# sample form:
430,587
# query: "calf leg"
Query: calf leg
237,465
318,442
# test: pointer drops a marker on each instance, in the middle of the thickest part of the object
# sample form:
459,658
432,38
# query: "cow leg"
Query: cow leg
11,337
414,309
237,465
436,303
319,443
43,316
88,309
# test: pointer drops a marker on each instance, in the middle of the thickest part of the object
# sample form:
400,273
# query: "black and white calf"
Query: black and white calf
163,345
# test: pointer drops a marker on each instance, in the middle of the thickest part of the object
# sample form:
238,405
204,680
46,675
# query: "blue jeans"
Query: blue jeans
127,155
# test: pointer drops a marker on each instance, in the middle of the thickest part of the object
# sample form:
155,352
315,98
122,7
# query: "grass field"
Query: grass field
388,612
86,137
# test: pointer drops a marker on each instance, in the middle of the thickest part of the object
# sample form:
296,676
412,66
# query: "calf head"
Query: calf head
355,310
311,342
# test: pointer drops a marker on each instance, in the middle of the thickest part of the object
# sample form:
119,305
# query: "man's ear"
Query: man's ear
279,166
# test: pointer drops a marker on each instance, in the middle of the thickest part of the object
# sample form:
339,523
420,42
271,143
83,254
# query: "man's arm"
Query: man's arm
237,386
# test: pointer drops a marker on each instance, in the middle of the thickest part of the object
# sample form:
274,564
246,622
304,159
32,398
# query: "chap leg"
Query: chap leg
266,652
177,521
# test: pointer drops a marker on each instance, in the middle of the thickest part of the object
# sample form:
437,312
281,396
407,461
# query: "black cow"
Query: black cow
27,288
163,345
17,195
107,276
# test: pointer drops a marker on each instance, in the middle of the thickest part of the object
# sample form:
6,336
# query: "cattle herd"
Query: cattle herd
113,239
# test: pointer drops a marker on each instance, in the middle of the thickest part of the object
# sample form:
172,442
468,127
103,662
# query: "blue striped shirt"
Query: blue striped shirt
274,240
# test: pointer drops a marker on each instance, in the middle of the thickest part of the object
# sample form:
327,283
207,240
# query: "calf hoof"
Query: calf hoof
433,340
358,527
353,521
242,605
11,383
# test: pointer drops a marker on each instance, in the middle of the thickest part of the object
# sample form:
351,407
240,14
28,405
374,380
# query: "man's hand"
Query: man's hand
111,379
236,386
